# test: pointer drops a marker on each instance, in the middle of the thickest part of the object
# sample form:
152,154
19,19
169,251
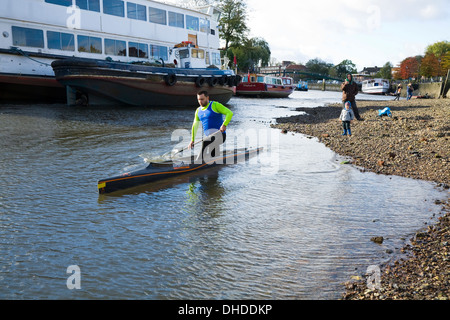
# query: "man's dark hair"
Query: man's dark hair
204,92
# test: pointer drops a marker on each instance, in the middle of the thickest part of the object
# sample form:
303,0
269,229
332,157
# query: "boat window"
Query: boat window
192,23
184,53
216,59
159,52
275,81
245,79
115,47
286,81
176,19
60,41
91,5
260,79
65,3
157,15
198,53
216,15
89,44
138,50
136,11
28,37
204,25
114,7
207,58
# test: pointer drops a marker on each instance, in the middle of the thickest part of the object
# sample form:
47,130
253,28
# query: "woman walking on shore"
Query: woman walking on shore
398,92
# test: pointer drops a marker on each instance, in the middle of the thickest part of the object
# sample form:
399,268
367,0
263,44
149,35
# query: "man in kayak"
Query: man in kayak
210,114
349,91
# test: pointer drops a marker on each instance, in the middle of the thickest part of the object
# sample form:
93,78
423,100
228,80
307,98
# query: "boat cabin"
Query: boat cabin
258,78
251,77
188,55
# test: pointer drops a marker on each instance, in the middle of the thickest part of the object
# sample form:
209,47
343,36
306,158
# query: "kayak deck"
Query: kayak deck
157,171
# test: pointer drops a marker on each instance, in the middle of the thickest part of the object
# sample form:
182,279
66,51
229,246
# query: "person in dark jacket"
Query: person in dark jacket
409,91
349,91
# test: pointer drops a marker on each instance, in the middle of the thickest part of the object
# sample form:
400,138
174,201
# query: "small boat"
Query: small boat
302,86
157,171
103,82
258,85
375,86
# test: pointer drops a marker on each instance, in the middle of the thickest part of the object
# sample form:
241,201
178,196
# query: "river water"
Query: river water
292,223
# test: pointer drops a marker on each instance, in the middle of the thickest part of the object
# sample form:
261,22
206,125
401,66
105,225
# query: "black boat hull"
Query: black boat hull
161,171
104,82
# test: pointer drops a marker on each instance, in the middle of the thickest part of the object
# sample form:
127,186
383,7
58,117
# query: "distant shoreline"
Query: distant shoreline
413,143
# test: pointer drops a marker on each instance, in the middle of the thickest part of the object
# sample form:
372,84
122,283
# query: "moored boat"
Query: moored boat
157,171
258,85
302,86
158,84
375,86
34,33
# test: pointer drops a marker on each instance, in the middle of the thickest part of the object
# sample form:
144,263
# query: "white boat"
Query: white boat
375,86
34,33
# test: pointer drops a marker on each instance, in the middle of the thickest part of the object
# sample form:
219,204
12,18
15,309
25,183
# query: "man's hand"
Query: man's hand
223,128
191,144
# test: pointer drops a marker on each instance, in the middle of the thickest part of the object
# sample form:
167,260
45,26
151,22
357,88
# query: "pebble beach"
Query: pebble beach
413,142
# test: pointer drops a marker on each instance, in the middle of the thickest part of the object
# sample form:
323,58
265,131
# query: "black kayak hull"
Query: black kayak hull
161,171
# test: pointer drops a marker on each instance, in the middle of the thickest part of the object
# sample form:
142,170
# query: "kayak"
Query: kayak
157,171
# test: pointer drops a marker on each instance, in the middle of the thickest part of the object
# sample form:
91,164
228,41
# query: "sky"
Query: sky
368,32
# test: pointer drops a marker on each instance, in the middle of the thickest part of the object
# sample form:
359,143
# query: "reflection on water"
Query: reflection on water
291,223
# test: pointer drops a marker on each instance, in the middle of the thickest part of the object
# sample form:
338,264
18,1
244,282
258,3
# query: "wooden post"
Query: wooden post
444,85
323,85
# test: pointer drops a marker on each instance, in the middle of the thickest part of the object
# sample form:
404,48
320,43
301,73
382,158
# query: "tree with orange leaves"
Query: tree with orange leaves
430,66
409,68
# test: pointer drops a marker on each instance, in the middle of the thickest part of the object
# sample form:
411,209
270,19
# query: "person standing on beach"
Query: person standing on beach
346,117
409,91
210,114
349,91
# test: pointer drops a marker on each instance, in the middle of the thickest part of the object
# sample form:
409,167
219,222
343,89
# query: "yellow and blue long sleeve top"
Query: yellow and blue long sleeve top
211,118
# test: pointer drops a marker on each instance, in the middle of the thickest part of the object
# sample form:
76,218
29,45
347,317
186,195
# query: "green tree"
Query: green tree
318,66
233,22
345,67
386,71
439,49
252,53
445,62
